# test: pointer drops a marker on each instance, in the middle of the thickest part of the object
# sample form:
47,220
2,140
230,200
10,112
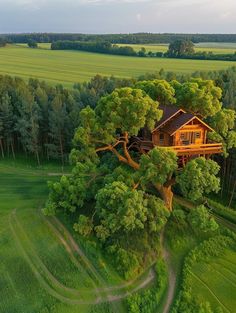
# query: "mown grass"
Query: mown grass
69,67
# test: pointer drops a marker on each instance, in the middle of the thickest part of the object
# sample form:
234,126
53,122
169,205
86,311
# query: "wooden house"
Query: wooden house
183,132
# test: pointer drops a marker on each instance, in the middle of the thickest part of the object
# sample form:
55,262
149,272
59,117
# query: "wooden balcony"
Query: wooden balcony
184,150
203,149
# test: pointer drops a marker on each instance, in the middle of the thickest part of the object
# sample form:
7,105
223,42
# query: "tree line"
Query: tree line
2,42
136,38
99,47
181,49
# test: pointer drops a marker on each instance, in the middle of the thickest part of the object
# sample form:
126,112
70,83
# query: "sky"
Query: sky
118,16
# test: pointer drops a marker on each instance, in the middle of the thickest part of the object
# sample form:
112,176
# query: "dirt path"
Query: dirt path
171,277
53,286
78,250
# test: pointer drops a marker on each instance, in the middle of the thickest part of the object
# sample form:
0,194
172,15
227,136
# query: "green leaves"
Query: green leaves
200,219
127,110
198,178
157,166
84,226
122,209
198,96
158,90
223,121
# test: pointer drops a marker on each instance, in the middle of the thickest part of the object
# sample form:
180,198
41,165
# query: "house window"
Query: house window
197,135
182,136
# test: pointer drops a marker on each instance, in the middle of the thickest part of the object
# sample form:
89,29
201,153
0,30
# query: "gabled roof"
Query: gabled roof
174,119
177,123
168,113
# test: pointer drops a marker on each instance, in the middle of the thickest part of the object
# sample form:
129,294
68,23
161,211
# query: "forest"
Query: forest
135,38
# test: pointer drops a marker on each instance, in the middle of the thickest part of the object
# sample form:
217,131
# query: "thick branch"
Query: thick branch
131,162
125,159
112,149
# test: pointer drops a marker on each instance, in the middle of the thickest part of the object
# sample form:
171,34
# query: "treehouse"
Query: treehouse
183,132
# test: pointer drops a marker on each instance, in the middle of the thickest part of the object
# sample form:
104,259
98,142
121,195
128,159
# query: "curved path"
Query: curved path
57,289
171,277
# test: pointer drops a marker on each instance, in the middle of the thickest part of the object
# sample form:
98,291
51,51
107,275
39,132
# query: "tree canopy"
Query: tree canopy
181,47
114,191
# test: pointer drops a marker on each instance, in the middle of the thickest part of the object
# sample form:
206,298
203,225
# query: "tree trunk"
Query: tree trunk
1,145
166,195
232,195
12,150
37,157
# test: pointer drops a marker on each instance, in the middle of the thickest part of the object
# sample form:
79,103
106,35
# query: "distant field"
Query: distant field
69,67
214,47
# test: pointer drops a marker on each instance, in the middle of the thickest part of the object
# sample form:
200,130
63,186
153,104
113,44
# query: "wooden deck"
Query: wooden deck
203,149
185,150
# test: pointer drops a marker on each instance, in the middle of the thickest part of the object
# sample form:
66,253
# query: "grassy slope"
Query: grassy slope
68,67
37,273
43,268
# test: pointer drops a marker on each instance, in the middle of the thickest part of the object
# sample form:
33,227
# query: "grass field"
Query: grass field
214,47
43,268
215,281
69,67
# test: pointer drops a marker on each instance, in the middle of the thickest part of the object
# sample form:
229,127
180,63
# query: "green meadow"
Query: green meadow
69,67
45,267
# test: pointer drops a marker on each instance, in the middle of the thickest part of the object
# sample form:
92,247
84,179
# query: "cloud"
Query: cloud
138,16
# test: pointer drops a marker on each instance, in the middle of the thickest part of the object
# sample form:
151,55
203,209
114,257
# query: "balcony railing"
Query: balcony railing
190,149
208,148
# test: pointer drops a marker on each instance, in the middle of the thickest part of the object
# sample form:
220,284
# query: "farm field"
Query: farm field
214,47
42,268
215,281
69,67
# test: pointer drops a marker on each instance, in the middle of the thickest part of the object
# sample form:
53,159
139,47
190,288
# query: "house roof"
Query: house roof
174,118
169,111
178,122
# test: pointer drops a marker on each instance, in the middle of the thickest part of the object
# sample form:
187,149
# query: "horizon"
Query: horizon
119,17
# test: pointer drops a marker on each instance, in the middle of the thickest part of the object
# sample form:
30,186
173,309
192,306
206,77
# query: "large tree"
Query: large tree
109,128
180,48
119,195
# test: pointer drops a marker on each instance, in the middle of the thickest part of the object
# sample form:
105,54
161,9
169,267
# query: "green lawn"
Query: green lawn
69,67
